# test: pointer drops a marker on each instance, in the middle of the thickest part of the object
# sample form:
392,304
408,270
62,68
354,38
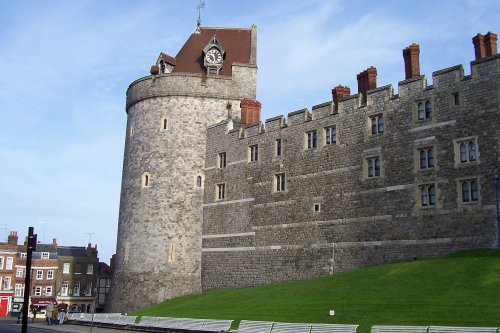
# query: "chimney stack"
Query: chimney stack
340,92
54,243
91,251
412,61
250,112
490,44
12,239
479,49
367,80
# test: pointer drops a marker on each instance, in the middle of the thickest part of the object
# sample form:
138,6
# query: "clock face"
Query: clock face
213,56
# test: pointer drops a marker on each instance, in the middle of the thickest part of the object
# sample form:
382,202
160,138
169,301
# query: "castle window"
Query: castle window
253,153
377,124
316,208
373,167
163,124
312,139
221,191
470,190
279,182
466,151
278,147
456,99
427,195
424,110
426,158
221,160
330,135
145,179
198,182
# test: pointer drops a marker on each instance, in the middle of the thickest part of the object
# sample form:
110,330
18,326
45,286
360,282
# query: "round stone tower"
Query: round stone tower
158,254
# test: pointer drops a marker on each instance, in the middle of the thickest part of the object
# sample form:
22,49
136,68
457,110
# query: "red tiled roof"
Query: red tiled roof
168,59
236,43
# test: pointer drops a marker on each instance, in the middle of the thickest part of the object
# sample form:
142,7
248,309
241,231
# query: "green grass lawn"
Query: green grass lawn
462,289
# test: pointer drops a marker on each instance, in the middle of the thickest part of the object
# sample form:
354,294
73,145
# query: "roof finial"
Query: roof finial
200,6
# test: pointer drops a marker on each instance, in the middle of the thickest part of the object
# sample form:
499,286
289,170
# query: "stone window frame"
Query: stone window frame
199,182
221,160
424,110
376,124
455,99
329,132
469,181
367,166
278,147
462,150
253,153
311,140
164,124
430,190
418,158
279,183
220,192
316,208
145,180
171,252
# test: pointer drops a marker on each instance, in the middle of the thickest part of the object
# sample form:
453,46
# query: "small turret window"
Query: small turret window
145,181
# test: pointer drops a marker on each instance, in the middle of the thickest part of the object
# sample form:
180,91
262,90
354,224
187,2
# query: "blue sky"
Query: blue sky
65,67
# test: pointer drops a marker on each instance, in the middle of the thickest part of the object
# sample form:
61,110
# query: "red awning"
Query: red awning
42,300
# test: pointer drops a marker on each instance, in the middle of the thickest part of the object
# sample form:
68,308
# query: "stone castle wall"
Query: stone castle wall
160,219
256,235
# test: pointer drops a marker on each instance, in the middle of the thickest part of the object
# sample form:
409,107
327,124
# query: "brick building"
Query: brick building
214,198
8,273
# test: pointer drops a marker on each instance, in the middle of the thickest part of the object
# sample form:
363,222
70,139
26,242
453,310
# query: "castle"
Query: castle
213,198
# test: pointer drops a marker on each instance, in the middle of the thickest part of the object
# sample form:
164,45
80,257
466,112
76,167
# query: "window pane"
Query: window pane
423,162
428,109
474,195
370,168
465,192
381,124
430,158
315,139
334,135
327,136
421,114
423,194
463,153
374,125
432,195
377,167
472,151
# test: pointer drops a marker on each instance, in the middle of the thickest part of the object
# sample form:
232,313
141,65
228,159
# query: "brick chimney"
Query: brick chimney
340,92
12,239
250,112
479,49
367,80
412,61
91,251
54,243
490,44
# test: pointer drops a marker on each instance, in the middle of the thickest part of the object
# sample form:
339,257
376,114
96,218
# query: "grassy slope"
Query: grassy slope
459,290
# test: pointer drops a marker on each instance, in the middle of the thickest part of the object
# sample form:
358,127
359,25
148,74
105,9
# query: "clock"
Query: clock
213,56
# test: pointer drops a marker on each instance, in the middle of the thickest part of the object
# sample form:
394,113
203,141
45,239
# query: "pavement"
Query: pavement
70,328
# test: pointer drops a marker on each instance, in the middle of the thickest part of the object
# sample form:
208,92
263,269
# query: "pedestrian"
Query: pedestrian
48,313
62,312
55,314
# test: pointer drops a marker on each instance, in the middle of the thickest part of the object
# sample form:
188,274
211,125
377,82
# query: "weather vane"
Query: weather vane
200,6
